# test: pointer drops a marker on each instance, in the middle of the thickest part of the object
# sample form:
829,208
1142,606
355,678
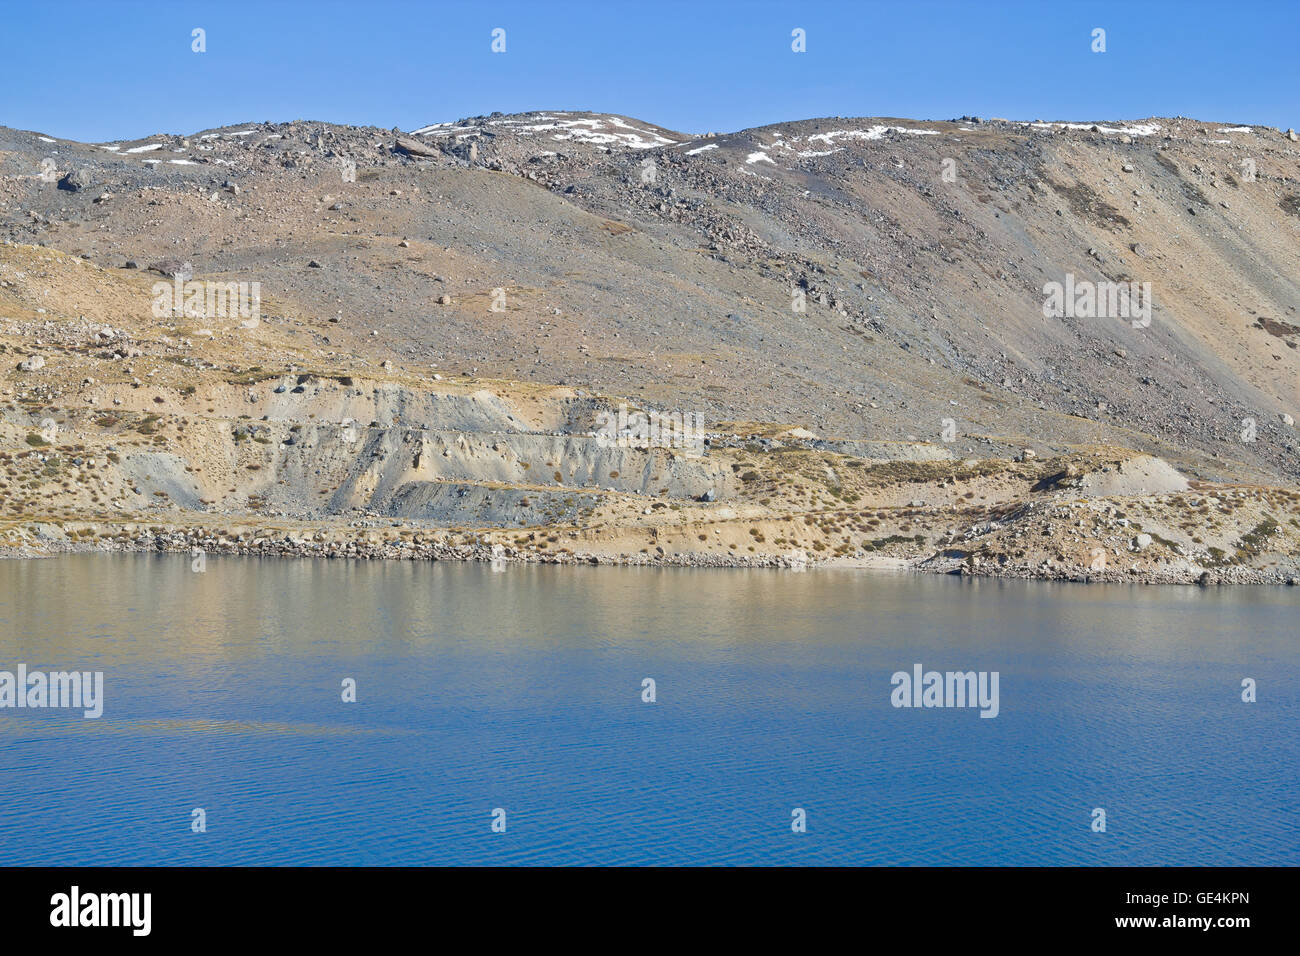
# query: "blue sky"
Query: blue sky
116,69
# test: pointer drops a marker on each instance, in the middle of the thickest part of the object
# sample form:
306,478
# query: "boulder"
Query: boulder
174,269
75,181
413,147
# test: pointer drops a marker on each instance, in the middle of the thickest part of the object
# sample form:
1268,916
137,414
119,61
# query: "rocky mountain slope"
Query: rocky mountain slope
854,308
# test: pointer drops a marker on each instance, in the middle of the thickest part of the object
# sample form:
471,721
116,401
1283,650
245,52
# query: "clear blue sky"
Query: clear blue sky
116,69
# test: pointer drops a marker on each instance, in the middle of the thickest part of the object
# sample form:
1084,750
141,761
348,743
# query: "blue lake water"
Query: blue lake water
522,690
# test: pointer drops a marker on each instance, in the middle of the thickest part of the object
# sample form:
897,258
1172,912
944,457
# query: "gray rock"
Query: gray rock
413,147
174,269
75,181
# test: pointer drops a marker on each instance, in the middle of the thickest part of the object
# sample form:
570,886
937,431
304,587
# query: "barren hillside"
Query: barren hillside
854,309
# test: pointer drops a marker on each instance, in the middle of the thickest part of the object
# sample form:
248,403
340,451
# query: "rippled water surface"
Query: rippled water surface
522,690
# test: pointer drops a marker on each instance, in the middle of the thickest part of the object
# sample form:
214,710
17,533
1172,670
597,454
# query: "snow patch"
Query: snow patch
1137,129
425,130
875,132
595,131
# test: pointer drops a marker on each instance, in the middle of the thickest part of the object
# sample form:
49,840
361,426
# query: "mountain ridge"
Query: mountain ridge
872,279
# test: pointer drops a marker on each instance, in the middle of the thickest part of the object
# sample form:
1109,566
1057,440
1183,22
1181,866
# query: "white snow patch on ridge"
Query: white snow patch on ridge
596,131
875,132
829,139
1137,129
426,130
145,149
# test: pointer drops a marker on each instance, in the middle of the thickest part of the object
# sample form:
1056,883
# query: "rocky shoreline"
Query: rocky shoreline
318,545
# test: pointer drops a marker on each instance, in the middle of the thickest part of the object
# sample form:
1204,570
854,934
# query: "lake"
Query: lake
522,690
